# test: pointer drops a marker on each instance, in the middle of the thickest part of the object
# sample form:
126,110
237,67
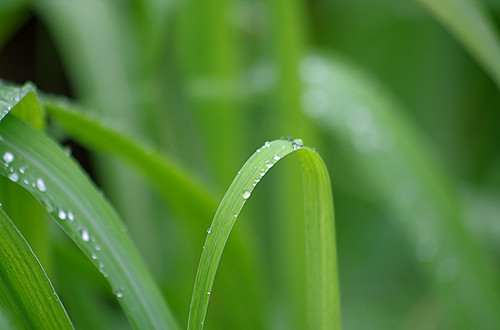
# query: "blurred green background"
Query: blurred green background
407,119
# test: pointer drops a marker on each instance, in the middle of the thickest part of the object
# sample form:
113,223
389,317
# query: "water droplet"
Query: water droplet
71,216
41,185
118,293
8,157
61,214
67,151
14,177
246,194
94,256
209,292
22,170
262,172
269,164
297,144
209,230
85,235
258,150
98,248
257,179
267,144
277,157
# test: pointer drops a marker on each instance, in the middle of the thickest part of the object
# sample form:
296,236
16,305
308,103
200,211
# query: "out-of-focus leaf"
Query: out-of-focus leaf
401,171
471,24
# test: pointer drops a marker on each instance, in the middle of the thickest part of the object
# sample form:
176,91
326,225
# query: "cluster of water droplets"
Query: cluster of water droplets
21,173
268,164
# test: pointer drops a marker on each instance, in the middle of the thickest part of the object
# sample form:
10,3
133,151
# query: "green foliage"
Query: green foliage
164,100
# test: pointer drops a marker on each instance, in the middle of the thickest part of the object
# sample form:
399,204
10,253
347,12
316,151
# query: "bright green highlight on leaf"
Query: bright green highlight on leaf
323,307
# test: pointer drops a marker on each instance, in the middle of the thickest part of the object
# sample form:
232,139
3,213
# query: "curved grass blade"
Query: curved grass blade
399,168
31,294
36,163
469,21
323,308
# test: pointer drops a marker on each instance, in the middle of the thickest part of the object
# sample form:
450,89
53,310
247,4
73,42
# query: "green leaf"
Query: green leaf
39,165
23,209
471,24
323,308
30,293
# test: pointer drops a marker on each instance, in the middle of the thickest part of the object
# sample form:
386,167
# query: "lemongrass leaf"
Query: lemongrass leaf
323,308
39,165
30,291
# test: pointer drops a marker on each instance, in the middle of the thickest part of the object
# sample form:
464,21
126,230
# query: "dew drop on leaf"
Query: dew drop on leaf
8,157
14,177
85,235
41,185
297,144
246,194
61,214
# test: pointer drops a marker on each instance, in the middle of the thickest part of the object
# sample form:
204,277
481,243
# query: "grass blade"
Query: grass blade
75,204
323,308
26,283
469,21
28,216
